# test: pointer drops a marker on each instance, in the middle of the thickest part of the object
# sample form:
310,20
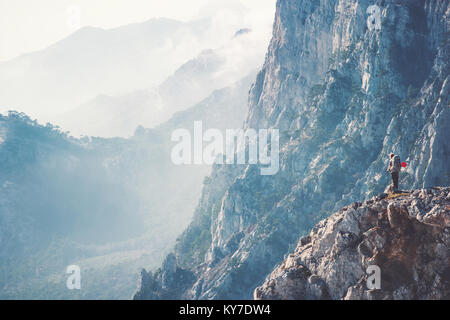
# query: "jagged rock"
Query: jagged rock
169,282
413,255
389,189
146,286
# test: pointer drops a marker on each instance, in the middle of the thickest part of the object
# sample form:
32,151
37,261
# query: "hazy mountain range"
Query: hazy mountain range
193,81
342,94
109,205
106,82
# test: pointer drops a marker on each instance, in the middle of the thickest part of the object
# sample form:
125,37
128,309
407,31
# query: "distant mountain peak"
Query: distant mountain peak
241,32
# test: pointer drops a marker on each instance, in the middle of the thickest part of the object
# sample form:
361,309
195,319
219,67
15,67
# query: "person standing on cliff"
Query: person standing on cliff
394,168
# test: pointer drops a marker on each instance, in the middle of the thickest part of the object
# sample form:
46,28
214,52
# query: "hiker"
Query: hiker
394,168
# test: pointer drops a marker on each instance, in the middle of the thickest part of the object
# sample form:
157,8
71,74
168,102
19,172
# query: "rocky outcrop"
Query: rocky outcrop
406,235
167,282
343,97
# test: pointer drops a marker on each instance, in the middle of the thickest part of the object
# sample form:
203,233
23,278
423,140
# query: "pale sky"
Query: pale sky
29,25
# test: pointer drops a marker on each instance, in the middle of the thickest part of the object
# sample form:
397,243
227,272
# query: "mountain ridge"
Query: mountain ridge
343,98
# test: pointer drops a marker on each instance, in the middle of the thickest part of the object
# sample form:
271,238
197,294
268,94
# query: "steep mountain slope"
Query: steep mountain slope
343,97
107,205
407,237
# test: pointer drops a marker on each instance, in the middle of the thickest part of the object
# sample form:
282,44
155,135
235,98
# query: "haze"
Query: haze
27,26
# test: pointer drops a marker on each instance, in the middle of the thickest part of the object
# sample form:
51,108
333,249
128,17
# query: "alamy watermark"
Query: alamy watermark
374,18
374,278
212,147
74,278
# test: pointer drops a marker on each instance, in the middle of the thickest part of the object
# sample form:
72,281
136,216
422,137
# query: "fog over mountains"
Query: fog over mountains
123,77
93,60
107,205
193,81
96,186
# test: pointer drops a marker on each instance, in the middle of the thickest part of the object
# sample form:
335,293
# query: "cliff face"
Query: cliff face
343,98
407,237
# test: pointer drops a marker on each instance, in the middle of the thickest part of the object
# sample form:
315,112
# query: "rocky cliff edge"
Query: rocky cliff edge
406,235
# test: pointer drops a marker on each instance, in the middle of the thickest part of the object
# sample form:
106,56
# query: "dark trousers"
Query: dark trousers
394,176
